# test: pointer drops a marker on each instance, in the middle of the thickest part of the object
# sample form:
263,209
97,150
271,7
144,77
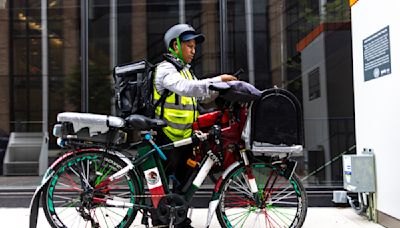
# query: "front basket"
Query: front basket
274,123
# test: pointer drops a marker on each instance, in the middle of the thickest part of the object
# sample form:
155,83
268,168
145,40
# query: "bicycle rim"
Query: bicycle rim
284,201
69,202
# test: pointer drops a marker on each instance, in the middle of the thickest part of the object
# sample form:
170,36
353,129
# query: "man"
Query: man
184,91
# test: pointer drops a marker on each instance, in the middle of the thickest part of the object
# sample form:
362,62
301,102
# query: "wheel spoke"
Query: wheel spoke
271,220
72,184
241,188
82,177
281,215
69,205
237,200
281,199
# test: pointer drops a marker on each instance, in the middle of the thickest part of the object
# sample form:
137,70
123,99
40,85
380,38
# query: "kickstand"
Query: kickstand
172,218
145,219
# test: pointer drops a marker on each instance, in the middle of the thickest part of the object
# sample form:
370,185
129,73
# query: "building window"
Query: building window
314,88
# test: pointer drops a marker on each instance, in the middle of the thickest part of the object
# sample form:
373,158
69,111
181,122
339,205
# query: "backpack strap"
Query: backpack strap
179,66
161,102
174,61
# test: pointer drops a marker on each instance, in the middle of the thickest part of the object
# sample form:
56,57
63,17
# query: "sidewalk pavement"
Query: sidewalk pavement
316,217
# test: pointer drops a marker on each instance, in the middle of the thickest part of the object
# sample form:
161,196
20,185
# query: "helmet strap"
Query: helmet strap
180,54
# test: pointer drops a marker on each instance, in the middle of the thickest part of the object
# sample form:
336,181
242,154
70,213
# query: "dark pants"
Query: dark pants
176,168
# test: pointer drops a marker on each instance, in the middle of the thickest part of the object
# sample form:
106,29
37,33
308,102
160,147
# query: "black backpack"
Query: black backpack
133,86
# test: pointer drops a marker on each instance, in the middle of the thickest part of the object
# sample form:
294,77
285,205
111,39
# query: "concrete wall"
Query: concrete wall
339,74
277,43
4,71
139,30
377,109
315,112
71,43
210,48
329,119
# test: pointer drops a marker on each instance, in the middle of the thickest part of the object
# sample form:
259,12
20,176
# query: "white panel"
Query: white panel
377,109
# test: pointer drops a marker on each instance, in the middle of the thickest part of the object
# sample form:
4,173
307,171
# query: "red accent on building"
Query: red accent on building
318,30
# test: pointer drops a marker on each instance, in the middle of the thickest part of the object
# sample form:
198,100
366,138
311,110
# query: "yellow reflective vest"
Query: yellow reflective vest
179,112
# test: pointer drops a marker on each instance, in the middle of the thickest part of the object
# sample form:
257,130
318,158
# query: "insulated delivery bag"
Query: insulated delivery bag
134,88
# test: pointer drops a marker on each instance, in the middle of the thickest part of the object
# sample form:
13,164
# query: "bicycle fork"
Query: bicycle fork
250,179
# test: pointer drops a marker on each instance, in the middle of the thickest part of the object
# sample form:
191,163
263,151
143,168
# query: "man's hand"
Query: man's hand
227,78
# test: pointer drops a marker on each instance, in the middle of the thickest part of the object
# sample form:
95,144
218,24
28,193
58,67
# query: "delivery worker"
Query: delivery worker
180,109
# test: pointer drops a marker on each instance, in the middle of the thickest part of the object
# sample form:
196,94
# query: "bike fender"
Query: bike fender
34,208
34,205
212,206
224,174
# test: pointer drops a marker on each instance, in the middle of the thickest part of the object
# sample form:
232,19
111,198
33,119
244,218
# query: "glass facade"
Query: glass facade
303,46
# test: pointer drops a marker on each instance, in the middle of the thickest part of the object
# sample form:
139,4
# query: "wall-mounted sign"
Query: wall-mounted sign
376,51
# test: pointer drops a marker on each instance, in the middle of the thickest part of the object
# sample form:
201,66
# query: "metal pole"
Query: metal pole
113,43
250,40
223,35
322,10
45,66
283,43
182,16
113,33
84,57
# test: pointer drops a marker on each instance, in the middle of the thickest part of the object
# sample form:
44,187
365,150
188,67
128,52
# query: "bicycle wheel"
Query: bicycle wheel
283,201
70,199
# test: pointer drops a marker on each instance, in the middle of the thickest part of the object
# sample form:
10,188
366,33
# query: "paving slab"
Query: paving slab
316,217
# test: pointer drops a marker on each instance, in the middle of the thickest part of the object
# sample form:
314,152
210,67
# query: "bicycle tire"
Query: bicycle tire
284,200
66,203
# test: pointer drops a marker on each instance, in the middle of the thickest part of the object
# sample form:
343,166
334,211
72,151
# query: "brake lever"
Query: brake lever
238,72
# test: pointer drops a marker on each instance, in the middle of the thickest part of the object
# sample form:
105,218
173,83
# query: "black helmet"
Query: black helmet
185,32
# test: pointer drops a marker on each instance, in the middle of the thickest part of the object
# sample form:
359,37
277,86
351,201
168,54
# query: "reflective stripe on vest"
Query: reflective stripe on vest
180,114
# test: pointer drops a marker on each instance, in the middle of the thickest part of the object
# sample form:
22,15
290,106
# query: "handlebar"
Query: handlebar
197,137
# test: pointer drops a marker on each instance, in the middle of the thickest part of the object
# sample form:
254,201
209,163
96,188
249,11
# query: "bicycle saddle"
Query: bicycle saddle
140,122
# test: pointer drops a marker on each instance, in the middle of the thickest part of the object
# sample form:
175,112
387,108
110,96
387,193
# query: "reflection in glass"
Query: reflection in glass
282,57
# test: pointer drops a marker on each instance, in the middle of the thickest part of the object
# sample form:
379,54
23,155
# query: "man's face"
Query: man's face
188,50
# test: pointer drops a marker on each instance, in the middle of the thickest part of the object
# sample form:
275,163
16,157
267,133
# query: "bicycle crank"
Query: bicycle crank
172,208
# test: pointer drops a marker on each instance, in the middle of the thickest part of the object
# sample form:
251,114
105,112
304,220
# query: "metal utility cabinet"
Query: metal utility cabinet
359,173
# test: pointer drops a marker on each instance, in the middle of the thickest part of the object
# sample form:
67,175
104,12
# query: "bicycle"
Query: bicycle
95,184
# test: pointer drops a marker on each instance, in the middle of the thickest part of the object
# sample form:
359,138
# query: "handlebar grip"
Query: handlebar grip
183,142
